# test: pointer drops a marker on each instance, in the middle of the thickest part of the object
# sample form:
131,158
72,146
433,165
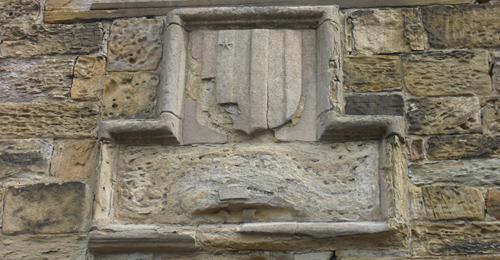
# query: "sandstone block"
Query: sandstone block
472,172
462,146
372,73
456,239
414,28
415,147
493,204
73,159
447,73
19,12
441,202
31,40
496,75
444,115
38,78
48,119
135,44
45,208
88,80
463,26
43,247
269,182
491,115
370,104
21,157
369,25
129,95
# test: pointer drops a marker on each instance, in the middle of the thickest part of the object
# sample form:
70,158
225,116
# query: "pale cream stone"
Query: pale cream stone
88,80
379,31
73,159
129,95
135,44
286,182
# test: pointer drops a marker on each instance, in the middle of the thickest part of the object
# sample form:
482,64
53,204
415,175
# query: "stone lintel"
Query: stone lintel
126,4
165,129
316,230
332,127
140,241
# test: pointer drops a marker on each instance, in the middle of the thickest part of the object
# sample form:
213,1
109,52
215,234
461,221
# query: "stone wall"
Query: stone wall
71,188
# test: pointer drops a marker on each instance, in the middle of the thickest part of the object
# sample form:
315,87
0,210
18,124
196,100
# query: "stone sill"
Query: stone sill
152,240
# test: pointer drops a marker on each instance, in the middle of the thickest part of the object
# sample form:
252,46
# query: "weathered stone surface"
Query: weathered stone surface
45,208
43,247
30,40
24,157
88,78
447,73
413,28
314,256
73,159
19,12
1,203
442,202
496,74
445,115
40,78
374,104
473,172
456,239
104,188
464,26
416,149
462,146
220,237
129,95
135,44
379,31
493,204
281,182
372,73
491,115
128,256
48,119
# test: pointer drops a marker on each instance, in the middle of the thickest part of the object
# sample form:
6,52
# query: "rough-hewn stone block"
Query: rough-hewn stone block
473,172
445,115
135,44
414,28
88,78
43,247
415,147
369,25
374,104
491,115
463,26
20,157
442,202
48,119
372,73
447,73
73,159
463,146
29,40
45,208
493,203
19,11
40,78
455,239
129,95
269,182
